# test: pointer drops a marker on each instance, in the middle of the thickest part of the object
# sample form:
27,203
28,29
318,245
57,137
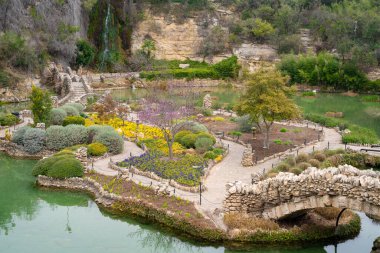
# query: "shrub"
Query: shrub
96,149
303,165
18,136
97,129
208,136
189,140
70,110
85,52
57,116
207,112
283,167
278,141
210,155
319,156
315,163
302,158
194,127
244,123
34,140
203,144
57,138
61,165
77,106
73,120
76,134
66,168
220,119
296,170
178,137
218,151
283,130
9,120
291,160
332,161
112,140
227,68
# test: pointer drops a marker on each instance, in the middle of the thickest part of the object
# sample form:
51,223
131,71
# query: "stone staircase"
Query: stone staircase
306,40
78,91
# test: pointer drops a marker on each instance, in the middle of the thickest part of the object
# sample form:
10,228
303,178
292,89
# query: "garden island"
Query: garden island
189,125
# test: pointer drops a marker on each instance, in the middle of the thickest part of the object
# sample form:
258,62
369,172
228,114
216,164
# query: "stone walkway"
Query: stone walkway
14,128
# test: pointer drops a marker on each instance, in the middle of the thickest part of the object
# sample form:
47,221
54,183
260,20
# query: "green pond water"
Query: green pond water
36,220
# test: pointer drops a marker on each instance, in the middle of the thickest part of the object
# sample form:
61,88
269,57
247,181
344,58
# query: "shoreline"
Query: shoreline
140,209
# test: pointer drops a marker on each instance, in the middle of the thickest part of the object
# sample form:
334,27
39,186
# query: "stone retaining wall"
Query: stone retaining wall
16,151
288,193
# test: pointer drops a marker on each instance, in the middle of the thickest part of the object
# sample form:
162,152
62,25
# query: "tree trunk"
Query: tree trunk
266,140
170,146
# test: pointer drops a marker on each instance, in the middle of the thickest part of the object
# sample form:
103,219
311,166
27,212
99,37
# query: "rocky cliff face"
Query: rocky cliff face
182,40
48,24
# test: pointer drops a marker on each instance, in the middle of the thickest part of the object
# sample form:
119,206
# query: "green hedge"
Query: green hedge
228,68
358,134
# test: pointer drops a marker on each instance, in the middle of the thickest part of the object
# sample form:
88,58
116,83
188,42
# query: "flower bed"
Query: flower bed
186,170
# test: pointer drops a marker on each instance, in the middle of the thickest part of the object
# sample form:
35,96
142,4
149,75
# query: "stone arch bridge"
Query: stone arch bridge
287,194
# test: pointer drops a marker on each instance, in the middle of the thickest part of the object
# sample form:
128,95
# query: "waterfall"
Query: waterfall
106,35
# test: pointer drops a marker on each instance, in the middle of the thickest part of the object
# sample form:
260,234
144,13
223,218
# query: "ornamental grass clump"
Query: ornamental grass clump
246,222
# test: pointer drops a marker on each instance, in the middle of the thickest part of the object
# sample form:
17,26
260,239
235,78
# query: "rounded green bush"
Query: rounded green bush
207,135
44,165
77,106
96,149
57,116
66,168
203,144
70,110
112,140
34,140
189,140
18,136
178,137
73,120
97,129
290,160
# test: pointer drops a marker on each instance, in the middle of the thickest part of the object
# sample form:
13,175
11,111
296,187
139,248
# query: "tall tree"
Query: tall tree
41,104
267,99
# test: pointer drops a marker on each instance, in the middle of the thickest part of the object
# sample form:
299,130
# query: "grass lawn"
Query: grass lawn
365,114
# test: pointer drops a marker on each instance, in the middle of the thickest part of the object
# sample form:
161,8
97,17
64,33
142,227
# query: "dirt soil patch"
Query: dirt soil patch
183,209
281,137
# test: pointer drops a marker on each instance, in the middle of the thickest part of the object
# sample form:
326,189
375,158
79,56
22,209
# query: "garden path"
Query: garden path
228,170
12,129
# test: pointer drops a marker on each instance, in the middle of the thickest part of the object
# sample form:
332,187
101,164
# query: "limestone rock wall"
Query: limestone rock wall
43,22
287,193
182,40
